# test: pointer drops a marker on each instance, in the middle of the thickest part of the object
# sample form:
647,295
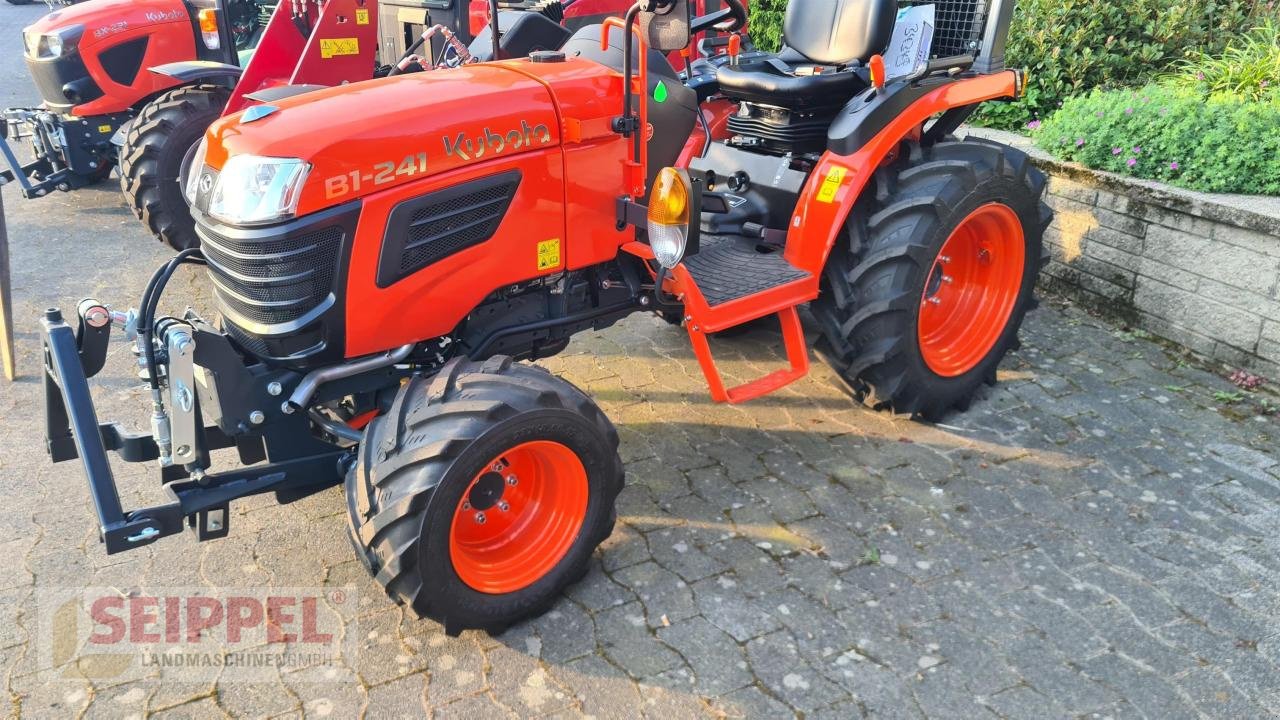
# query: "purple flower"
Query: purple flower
1128,111
1099,113
1033,125
1079,142
1116,151
1264,83
1199,76
1137,150
1173,165
1133,161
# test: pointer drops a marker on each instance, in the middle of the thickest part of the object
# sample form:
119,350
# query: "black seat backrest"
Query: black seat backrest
838,32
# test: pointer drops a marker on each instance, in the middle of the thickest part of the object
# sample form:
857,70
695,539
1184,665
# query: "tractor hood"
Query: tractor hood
369,136
103,19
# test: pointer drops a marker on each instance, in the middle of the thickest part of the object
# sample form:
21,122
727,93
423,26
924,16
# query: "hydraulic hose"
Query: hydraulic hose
151,299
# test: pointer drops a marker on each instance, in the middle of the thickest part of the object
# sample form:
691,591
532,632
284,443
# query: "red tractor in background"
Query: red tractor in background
89,63
378,278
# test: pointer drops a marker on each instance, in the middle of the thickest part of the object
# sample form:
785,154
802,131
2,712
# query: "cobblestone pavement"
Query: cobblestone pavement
1096,537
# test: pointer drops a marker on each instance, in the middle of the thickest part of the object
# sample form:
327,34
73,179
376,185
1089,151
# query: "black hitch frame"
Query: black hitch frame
71,152
200,501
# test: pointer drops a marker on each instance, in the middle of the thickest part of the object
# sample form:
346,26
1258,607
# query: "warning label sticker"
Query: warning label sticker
362,16
831,185
333,47
549,254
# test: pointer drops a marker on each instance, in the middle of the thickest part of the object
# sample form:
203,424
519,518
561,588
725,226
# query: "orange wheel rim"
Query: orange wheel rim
971,290
518,517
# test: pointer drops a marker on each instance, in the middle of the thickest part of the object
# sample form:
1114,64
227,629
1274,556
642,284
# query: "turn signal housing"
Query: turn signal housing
670,211
208,19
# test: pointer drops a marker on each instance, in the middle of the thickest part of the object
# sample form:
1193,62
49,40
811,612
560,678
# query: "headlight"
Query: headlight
254,190
191,182
64,41
669,216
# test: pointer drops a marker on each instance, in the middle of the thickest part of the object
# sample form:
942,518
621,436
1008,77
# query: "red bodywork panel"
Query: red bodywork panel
107,24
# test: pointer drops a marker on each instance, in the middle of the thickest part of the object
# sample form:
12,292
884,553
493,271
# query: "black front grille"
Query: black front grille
957,27
273,280
427,229
51,75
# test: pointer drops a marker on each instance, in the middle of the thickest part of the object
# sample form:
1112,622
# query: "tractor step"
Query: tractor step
728,269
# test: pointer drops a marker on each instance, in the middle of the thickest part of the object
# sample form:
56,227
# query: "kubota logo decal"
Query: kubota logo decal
468,148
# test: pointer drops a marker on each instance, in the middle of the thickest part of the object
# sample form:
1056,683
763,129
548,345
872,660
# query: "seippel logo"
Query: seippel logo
473,148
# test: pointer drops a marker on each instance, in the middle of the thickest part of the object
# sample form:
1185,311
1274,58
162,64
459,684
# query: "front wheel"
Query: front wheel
158,143
479,497
927,293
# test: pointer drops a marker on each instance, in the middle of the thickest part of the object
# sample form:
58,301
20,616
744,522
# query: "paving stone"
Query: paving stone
775,660
1153,696
625,639
751,702
718,663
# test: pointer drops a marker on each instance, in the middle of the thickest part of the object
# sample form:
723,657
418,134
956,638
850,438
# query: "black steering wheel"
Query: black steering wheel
730,19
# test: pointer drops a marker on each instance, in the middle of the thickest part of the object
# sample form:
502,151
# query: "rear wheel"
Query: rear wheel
927,293
158,143
481,495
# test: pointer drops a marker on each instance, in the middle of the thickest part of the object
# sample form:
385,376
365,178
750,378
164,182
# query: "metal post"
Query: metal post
6,301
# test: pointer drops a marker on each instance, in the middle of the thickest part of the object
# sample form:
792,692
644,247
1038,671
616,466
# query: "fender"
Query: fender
844,170
190,71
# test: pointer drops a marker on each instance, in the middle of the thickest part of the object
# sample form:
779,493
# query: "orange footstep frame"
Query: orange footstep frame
703,319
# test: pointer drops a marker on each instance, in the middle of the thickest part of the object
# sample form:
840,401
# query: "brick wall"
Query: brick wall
1179,265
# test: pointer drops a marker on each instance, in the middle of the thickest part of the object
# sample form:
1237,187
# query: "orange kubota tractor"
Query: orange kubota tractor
379,275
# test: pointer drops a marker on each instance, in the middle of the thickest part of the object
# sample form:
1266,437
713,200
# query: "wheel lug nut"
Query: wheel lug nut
948,279
935,301
512,480
466,505
479,518
944,259
497,467
503,506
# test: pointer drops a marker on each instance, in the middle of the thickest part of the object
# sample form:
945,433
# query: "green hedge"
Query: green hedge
1215,143
1071,46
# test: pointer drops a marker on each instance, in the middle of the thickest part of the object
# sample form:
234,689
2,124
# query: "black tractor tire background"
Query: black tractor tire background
20,2
418,458
873,283
151,159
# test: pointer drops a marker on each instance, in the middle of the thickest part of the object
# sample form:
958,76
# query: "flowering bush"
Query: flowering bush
1073,46
1214,143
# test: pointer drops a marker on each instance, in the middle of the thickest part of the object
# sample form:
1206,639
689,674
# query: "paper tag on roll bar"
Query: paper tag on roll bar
908,52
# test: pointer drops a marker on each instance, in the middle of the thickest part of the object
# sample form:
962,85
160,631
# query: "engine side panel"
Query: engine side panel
528,243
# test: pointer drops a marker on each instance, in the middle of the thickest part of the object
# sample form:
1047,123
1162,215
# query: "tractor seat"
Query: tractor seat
772,82
824,42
